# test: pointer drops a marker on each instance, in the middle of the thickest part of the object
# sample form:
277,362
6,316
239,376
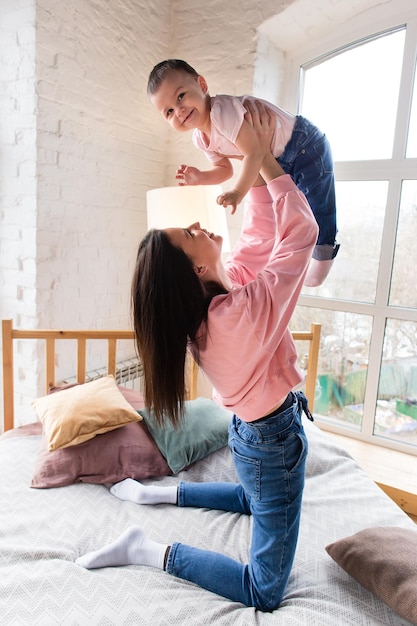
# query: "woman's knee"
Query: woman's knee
267,597
265,603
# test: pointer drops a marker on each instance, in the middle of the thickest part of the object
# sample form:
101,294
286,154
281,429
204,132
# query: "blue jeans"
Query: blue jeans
307,157
269,456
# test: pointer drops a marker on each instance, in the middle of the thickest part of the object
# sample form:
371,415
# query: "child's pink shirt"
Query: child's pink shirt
249,354
226,116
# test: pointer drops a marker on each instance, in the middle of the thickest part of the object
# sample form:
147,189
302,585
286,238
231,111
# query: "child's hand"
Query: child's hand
230,198
188,175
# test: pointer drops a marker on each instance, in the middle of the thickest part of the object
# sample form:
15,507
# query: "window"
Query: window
364,97
353,95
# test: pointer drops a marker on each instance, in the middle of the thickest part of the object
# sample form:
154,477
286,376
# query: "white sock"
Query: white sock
134,491
131,548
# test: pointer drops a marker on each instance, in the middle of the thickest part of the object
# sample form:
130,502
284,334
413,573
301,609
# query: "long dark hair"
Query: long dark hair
169,308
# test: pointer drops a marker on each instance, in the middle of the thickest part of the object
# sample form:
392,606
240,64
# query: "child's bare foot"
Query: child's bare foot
317,272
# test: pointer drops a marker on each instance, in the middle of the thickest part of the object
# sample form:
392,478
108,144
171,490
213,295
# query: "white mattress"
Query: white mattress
43,531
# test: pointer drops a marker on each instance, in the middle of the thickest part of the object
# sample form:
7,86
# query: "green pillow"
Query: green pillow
203,430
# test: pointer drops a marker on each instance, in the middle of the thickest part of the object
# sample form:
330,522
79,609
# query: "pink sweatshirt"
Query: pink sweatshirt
249,355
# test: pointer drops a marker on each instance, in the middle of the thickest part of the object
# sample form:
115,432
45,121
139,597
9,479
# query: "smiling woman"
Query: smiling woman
203,248
234,320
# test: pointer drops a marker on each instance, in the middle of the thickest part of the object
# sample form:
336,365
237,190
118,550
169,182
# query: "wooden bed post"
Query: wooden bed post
312,365
8,389
313,337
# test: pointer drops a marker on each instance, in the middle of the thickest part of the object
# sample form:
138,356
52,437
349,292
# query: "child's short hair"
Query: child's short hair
162,69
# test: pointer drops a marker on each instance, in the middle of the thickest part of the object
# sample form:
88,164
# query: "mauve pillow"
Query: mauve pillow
126,452
27,430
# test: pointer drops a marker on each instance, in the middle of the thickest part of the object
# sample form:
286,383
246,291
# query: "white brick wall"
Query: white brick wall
17,155
18,169
92,124
81,144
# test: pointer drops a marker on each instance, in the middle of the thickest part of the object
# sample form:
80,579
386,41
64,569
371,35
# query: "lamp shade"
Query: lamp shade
170,207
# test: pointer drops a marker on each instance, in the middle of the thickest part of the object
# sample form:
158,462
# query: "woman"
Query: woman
234,319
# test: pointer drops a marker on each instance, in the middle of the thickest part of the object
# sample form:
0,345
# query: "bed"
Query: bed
44,528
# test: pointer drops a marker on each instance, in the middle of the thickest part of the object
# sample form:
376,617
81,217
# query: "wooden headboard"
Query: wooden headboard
81,337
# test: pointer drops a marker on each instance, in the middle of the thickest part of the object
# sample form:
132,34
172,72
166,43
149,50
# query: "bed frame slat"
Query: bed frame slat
50,362
81,359
111,356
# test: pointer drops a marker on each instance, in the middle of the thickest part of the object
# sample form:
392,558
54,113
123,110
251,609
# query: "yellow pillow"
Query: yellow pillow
80,413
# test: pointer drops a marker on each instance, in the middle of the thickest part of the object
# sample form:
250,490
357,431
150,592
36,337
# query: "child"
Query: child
181,95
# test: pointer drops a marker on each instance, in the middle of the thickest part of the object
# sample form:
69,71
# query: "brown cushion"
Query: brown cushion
384,560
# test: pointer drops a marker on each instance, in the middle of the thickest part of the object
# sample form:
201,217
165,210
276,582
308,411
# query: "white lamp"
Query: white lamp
181,206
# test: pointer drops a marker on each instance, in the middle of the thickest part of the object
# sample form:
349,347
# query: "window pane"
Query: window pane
360,216
352,97
403,291
396,414
412,131
343,361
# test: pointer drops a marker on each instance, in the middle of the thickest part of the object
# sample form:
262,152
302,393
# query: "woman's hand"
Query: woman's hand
263,123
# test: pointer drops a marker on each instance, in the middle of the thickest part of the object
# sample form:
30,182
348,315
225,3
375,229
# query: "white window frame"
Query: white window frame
395,170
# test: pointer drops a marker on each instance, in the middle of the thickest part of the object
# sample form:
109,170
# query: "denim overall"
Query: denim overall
307,157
